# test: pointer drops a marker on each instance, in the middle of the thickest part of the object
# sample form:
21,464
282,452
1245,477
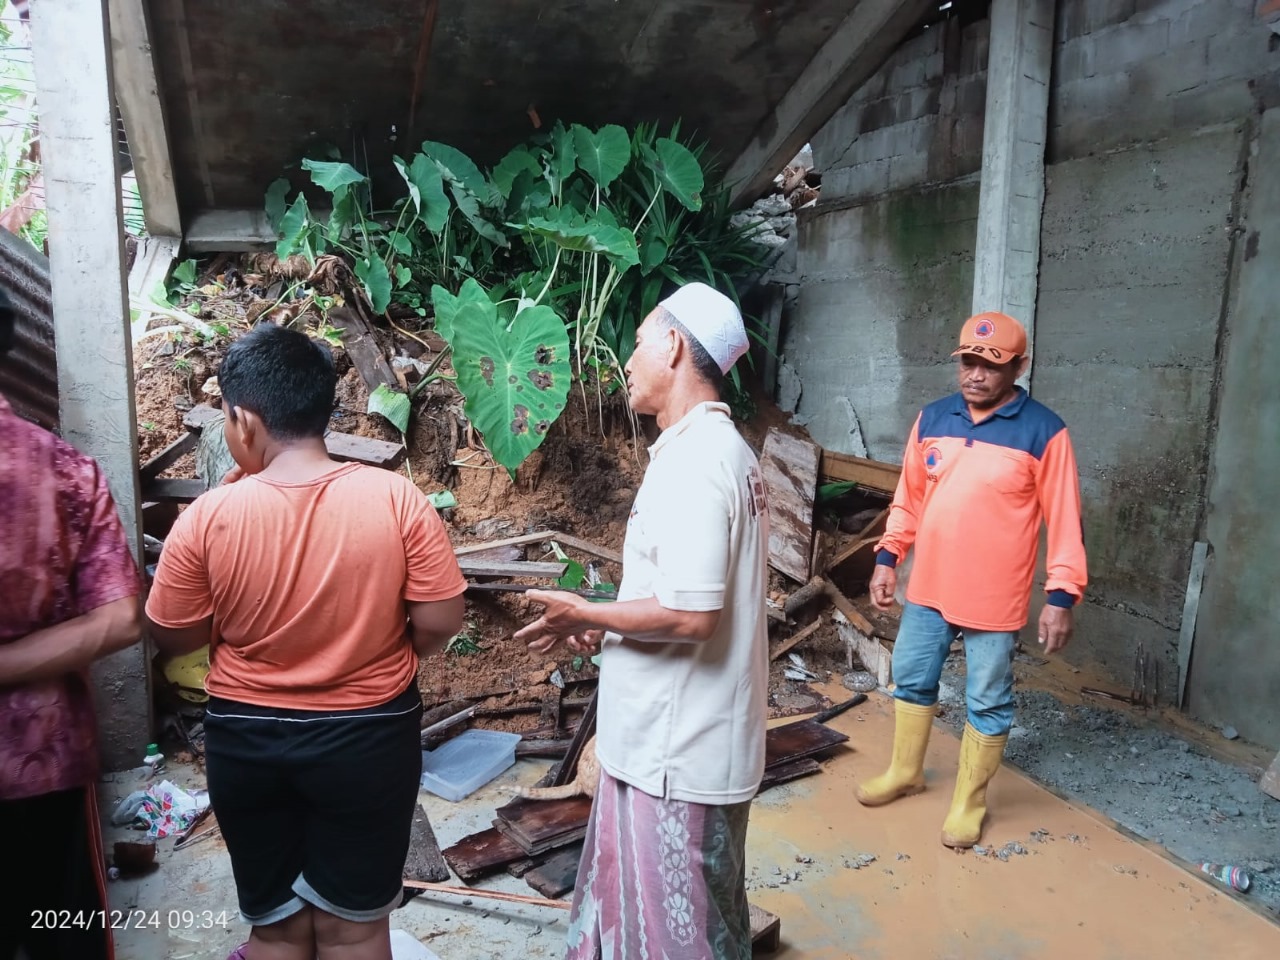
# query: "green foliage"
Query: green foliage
555,254
515,376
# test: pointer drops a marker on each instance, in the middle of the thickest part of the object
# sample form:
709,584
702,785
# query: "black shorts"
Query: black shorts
315,807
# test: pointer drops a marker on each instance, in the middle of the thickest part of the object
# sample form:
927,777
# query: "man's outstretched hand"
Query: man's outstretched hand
563,618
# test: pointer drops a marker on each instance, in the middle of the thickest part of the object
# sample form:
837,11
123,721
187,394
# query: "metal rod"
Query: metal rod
486,894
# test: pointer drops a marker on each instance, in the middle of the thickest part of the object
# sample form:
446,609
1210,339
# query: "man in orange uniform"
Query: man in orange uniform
983,469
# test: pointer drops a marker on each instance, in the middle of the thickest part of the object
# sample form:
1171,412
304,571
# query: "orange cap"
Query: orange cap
993,336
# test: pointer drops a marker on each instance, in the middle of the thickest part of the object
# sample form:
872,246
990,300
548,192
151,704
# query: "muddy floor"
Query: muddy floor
1163,787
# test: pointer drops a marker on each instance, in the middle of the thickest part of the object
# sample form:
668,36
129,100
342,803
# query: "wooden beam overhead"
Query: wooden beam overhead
138,96
853,53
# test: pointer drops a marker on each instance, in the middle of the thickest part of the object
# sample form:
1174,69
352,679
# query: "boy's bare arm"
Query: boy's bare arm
433,623
176,641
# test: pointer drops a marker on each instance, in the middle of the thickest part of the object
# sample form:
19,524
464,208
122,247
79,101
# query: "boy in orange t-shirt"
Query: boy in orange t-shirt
317,586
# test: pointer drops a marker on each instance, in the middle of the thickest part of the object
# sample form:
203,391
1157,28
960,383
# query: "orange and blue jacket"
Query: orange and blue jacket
971,499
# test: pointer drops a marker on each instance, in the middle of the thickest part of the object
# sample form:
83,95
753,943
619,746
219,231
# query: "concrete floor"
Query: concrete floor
1081,889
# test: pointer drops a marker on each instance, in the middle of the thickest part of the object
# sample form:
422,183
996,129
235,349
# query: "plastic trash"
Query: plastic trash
127,810
461,766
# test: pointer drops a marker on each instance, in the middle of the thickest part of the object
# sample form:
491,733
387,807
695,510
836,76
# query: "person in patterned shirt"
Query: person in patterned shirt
68,595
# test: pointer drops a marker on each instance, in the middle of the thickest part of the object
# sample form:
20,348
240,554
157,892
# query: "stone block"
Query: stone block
1074,60
908,170
1178,69
860,180
1079,17
1212,104
1116,47
1240,55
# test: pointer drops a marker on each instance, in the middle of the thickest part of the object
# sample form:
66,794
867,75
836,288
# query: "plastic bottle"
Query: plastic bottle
1234,877
154,757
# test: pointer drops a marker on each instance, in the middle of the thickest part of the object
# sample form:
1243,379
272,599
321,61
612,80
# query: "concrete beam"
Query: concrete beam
90,307
1011,199
232,231
857,48
138,93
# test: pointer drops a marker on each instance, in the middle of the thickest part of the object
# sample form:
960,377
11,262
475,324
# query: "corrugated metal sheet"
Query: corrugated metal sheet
29,374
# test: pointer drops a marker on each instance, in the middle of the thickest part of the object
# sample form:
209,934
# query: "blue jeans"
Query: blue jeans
924,638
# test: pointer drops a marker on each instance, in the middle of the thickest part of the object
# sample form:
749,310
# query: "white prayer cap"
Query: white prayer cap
713,320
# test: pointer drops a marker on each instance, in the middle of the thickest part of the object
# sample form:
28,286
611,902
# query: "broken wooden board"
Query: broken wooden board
511,568
173,491
362,347
1270,782
558,874
870,475
790,469
766,929
424,862
787,771
341,446
481,854
871,652
167,457
796,638
568,769
564,539
537,826
849,611
794,741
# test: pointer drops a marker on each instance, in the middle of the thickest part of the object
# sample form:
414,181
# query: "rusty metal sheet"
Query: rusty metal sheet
29,374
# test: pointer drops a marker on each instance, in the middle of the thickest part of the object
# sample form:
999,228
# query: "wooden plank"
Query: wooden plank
345,447
137,92
793,741
558,874
872,475
167,457
798,637
790,468
851,613
174,491
541,825
586,730
1190,610
546,749
766,929
513,568
564,539
875,658
855,49
424,861
363,349
480,854
367,450
1270,782
787,771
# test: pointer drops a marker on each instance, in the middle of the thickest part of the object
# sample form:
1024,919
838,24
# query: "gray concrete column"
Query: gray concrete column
75,93
1007,260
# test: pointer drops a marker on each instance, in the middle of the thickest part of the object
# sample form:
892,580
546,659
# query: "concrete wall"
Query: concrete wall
1130,71
1235,665
1132,273
919,120
1153,105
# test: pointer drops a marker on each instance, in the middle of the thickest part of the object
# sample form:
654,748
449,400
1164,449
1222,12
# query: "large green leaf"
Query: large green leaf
426,190
331,176
457,166
344,214
515,380
447,305
603,154
563,159
518,161
392,404
276,204
679,172
615,243
377,282
292,227
470,208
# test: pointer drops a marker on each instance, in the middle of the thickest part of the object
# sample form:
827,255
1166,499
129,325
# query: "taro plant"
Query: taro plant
544,264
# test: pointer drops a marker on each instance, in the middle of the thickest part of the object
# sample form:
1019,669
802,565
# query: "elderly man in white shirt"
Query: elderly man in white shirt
684,666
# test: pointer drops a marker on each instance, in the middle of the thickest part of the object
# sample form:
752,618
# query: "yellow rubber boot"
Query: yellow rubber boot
905,776
980,757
